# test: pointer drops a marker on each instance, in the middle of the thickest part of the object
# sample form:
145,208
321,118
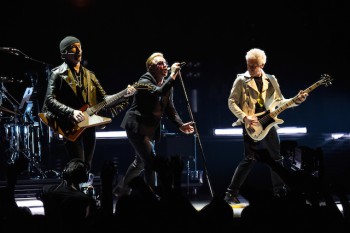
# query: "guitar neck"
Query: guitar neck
292,101
94,109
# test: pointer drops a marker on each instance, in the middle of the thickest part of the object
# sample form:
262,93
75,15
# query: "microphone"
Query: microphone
182,64
68,53
10,50
72,54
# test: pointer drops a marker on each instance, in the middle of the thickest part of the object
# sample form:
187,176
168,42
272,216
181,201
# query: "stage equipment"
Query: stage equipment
21,131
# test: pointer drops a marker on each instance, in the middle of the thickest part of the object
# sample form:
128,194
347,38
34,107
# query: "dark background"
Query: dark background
302,40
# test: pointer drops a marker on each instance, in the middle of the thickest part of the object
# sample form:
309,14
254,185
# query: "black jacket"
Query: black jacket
62,96
148,106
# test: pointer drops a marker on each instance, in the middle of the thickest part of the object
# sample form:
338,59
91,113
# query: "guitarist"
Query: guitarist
252,93
71,86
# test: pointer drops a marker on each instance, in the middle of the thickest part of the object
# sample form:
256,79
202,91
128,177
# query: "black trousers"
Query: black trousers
271,143
144,147
84,147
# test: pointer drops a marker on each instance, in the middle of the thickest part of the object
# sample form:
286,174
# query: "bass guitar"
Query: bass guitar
71,131
268,119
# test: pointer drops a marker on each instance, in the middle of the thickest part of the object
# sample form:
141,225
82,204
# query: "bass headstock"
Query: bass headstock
326,79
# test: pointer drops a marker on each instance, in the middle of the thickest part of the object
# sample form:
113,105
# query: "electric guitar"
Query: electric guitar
72,131
268,119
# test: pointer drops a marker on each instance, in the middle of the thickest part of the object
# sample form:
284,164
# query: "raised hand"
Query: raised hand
130,90
187,128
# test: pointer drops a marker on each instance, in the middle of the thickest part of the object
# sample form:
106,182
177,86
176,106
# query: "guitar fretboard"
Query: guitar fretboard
94,109
292,101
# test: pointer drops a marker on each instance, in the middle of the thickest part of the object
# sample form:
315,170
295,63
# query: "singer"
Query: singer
143,120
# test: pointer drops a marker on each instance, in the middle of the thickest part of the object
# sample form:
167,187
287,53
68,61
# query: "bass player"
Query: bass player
252,93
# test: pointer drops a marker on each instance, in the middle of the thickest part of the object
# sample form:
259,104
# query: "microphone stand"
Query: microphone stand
196,135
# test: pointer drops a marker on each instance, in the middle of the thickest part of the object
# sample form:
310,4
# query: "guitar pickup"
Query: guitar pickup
251,130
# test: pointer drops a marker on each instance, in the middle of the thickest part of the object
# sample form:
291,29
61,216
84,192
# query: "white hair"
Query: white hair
257,54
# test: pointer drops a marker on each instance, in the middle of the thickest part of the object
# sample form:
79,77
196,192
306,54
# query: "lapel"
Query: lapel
265,86
70,80
153,80
67,76
251,83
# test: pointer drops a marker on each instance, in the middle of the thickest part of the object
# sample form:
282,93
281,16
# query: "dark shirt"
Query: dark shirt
259,84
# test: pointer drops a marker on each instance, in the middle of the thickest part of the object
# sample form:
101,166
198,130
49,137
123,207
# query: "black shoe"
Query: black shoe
231,199
280,194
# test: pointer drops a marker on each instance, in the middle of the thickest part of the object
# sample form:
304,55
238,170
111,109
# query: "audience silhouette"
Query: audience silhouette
309,206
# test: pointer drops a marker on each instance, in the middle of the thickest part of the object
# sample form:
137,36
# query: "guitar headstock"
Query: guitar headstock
326,79
142,86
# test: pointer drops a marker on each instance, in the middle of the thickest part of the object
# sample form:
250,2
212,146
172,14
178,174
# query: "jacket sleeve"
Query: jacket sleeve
235,98
159,90
51,102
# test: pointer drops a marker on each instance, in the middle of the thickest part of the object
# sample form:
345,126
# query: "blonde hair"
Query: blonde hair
257,54
149,61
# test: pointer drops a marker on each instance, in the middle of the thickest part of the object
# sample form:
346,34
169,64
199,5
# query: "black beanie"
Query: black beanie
68,41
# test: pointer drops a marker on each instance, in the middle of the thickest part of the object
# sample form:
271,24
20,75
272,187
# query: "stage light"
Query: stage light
238,131
111,134
228,132
107,135
292,130
336,136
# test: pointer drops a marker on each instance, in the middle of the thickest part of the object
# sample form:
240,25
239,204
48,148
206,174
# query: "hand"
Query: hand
130,90
78,116
301,97
174,70
187,128
250,120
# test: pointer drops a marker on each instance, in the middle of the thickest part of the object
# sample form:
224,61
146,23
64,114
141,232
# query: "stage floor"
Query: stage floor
36,206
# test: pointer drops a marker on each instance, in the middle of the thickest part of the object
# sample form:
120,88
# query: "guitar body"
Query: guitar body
92,120
73,131
51,123
266,122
